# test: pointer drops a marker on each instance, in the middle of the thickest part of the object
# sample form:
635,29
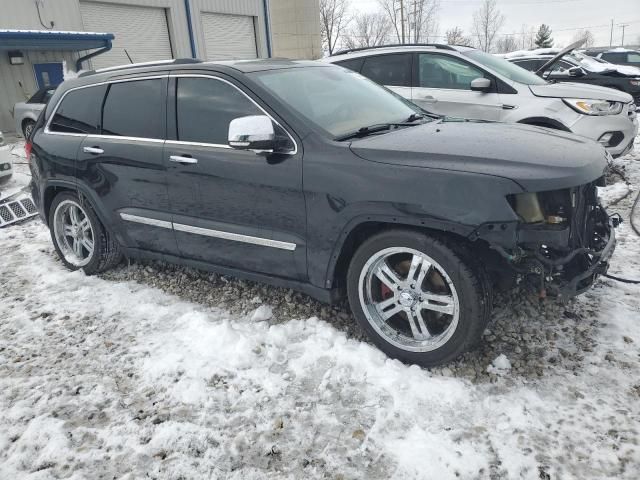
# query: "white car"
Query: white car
464,82
6,163
25,114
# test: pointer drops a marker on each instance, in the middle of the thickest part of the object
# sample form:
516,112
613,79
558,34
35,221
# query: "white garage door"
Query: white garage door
141,31
228,36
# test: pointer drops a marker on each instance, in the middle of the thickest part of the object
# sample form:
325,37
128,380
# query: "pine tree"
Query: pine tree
543,37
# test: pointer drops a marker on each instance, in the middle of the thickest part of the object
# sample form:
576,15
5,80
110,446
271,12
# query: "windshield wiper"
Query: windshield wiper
380,127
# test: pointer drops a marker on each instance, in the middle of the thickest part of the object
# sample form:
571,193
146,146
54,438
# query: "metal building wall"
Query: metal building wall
295,28
253,8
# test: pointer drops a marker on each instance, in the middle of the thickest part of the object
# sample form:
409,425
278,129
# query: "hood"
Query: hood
559,55
536,158
579,90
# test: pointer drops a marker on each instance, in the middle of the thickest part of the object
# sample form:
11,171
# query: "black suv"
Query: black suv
310,176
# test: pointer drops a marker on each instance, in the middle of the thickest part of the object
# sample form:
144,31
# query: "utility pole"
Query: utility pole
611,37
623,26
402,19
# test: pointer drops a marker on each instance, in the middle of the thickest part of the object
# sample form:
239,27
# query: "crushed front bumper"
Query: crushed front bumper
595,263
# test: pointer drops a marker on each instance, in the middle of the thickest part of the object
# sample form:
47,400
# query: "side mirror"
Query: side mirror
576,72
254,132
480,84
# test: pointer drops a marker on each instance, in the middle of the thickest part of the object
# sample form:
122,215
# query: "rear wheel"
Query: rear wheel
27,128
417,297
78,236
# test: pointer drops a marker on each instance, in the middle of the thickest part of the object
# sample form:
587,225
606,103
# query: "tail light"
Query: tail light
27,148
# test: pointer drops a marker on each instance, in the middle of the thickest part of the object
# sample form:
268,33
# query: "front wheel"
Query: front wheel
419,299
78,236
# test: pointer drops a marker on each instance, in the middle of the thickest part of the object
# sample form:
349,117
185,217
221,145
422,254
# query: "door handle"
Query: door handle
94,150
182,159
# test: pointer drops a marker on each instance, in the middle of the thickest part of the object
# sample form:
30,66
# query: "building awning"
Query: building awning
53,40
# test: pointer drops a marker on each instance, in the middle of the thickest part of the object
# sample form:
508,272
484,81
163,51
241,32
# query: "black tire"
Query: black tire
106,252
469,278
27,128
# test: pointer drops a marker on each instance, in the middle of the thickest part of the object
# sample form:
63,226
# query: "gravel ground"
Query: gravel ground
159,371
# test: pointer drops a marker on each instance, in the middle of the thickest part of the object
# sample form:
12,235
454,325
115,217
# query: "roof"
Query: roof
364,52
245,66
52,40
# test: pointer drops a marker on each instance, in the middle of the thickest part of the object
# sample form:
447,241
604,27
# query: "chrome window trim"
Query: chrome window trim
220,79
135,139
146,220
107,82
197,144
207,232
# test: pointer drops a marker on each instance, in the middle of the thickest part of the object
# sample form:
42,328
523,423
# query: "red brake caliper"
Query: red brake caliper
385,292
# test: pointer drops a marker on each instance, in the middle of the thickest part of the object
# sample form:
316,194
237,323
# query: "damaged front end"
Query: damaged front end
563,241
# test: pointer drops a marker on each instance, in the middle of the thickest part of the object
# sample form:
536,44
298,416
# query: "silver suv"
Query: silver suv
464,82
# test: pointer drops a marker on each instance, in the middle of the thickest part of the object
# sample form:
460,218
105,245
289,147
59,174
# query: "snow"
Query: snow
262,313
118,379
499,365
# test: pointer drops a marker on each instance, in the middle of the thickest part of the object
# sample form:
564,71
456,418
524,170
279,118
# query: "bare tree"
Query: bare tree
527,37
334,19
487,20
368,30
422,18
506,44
455,36
412,20
585,35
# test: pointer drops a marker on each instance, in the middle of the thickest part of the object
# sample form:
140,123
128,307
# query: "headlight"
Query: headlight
635,83
594,107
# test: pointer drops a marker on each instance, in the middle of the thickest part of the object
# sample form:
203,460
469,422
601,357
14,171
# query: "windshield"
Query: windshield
505,68
337,100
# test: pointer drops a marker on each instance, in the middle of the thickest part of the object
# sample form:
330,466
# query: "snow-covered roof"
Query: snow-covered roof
53,32
53,40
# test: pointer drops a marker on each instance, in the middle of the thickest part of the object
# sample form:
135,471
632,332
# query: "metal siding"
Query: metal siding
252,8
141,31
228,36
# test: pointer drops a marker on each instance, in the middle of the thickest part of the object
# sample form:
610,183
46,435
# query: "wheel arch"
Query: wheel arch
545,122
359,229
53,188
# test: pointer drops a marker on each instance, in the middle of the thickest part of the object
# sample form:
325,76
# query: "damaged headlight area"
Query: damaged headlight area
564,239
594,107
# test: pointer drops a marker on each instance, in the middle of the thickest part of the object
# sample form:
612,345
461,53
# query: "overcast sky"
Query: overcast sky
565,17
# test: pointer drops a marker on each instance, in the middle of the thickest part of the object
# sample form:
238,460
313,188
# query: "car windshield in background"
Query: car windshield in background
505,68
337,100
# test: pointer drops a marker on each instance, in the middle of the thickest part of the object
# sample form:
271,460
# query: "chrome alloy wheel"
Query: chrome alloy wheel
409,299
73,233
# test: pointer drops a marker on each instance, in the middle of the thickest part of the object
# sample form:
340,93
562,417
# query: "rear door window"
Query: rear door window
615,57
135,109
392,70
79,111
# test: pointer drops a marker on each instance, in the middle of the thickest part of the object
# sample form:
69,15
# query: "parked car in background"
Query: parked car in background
312,177
618,55
6,163
26,113
567,65
468,83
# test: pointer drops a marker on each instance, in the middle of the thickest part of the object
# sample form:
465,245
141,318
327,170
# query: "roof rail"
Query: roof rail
177,61
441,46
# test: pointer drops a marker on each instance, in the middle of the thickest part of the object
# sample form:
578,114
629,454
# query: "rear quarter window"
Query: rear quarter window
79,111
354,64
